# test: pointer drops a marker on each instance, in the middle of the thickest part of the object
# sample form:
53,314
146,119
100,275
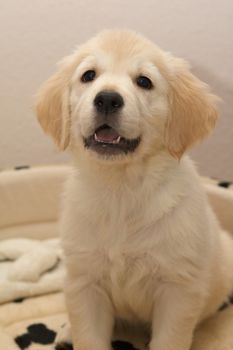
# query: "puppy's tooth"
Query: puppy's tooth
96,138
117,140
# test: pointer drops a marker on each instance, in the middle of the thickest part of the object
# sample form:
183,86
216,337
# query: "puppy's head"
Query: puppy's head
119,96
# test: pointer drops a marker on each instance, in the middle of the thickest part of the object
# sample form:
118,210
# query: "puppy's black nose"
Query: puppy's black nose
108,102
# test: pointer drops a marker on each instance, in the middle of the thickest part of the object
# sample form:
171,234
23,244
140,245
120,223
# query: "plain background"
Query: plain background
34,35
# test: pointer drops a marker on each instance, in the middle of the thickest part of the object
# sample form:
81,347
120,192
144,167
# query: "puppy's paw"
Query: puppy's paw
63,340
122,345
63,346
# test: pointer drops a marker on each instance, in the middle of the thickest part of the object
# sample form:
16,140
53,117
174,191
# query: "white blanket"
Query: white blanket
29,268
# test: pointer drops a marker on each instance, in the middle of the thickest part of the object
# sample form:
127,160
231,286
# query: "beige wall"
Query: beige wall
34,35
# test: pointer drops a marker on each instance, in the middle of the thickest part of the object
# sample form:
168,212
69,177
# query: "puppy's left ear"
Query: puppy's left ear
52,105
192,112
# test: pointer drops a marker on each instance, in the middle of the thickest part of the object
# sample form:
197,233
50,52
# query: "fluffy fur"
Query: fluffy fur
141,242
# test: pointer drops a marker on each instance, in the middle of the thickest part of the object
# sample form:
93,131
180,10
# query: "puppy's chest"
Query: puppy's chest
114,247
128,277
117,263
116,252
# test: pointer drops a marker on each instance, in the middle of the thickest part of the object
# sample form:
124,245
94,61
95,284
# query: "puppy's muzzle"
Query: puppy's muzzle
106,139
108,102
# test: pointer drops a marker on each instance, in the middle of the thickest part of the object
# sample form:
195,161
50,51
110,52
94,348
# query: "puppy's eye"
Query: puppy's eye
89,75
144,82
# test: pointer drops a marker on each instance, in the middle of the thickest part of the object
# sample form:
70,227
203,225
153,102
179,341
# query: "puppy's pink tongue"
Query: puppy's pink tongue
107,135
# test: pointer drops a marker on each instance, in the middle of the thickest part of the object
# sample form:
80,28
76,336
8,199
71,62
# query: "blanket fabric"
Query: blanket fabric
29,268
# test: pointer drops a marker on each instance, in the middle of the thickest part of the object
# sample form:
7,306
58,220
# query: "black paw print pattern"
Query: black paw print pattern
36,333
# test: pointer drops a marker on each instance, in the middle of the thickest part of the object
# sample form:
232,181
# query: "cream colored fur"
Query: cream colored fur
140,240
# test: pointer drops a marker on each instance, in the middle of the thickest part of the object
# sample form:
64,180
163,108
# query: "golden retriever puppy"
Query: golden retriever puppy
141,242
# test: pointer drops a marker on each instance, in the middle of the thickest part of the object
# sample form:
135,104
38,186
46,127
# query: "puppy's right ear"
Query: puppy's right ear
52,105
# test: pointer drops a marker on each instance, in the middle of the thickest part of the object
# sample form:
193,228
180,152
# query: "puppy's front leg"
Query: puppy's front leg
175,316
91,315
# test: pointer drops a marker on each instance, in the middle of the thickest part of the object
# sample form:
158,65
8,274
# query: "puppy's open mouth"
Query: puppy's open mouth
107,141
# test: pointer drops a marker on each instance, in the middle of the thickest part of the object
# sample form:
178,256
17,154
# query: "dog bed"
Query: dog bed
32,307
